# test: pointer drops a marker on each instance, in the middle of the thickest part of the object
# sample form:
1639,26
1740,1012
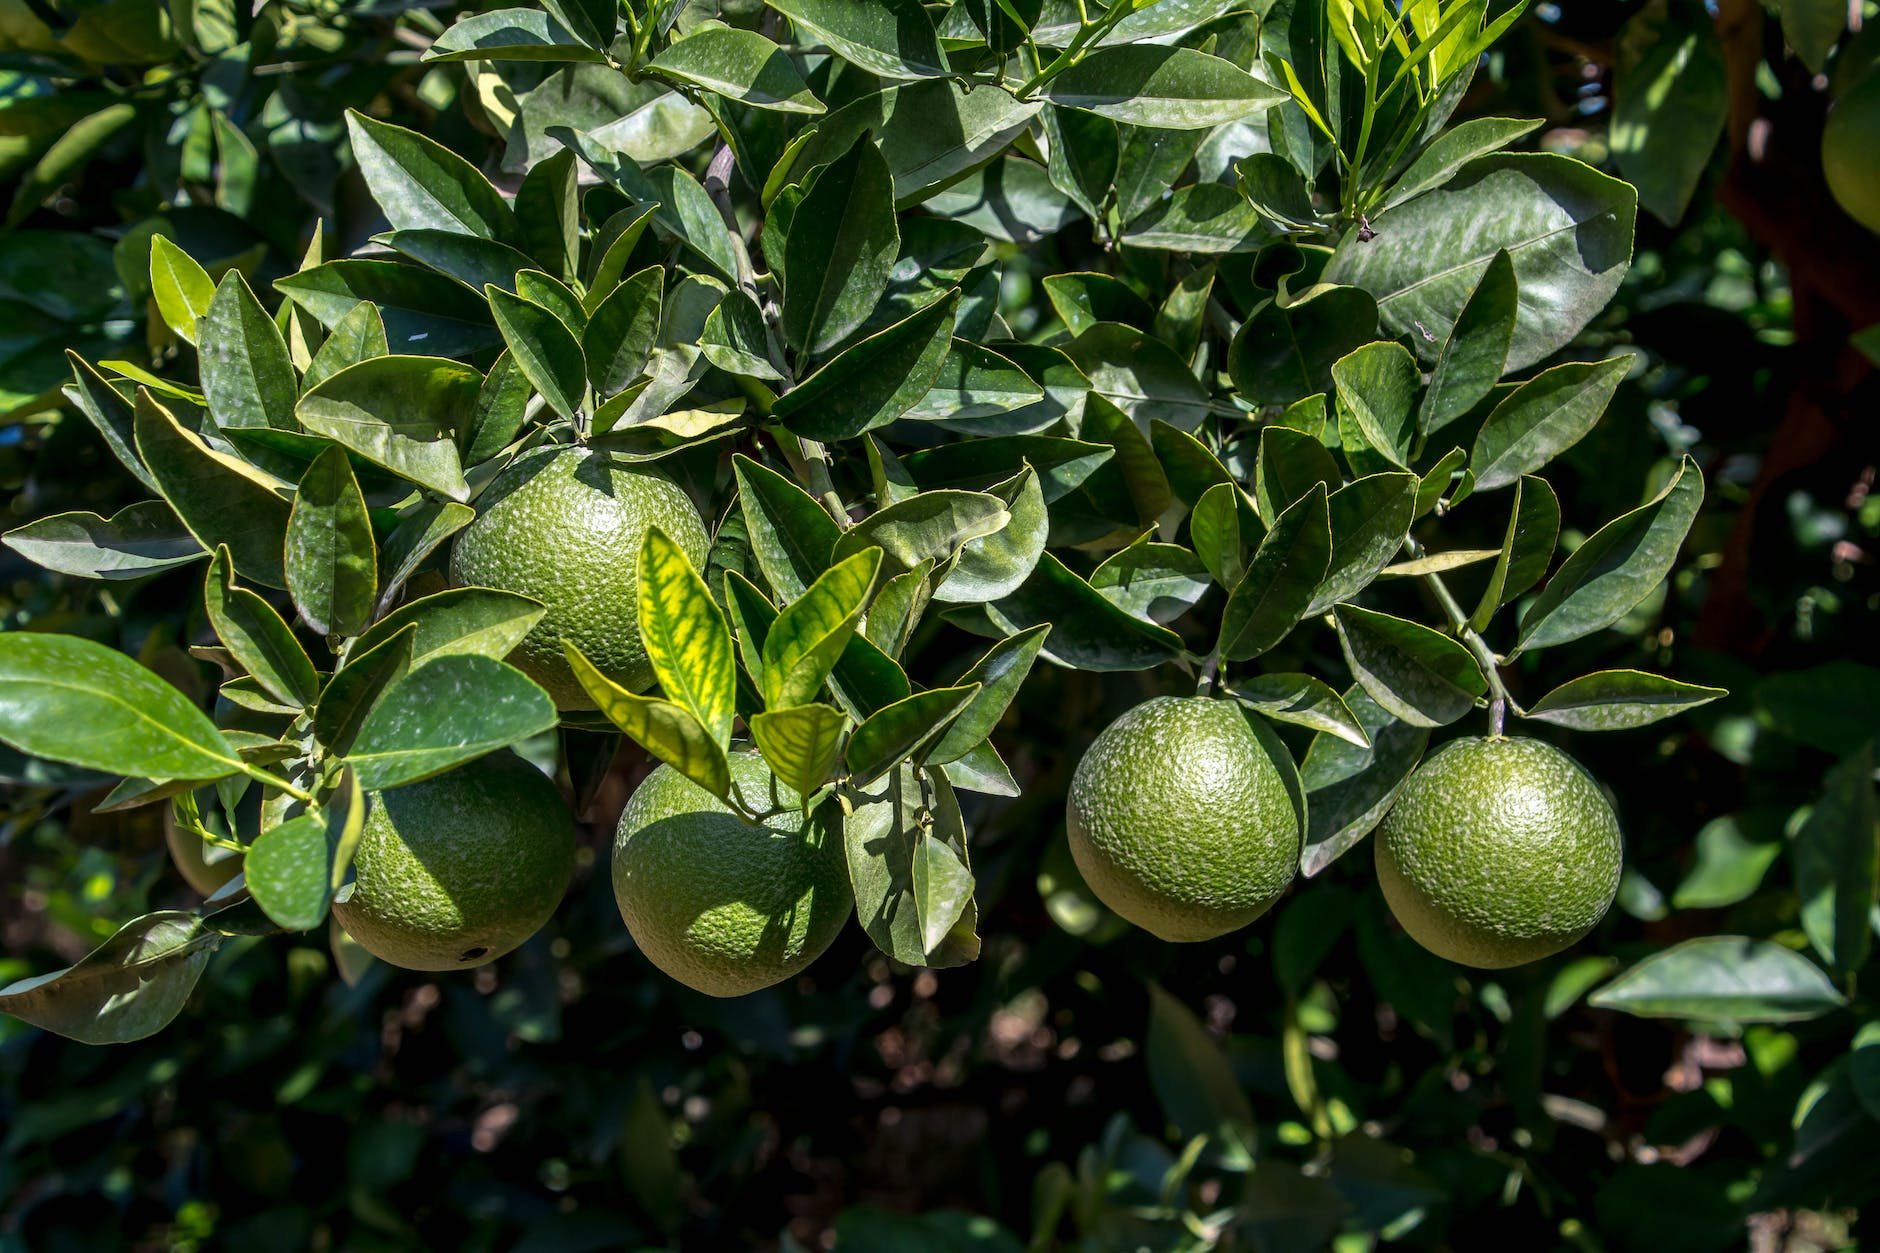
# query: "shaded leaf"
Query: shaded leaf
135,541
331,558
1350,788
1619,700
1722,978
127,988
1421,676
450,710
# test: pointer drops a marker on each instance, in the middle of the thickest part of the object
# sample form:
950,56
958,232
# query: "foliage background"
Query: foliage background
570,1098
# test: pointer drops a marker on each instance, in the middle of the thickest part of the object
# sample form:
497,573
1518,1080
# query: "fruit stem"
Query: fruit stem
1209,668
1499,700
277,783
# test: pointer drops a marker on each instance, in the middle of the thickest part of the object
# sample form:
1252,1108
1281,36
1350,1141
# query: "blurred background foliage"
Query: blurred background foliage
1311,1081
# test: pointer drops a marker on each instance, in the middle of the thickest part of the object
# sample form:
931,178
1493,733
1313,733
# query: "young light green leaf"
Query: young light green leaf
739,65
1620,700
402,413
902,730
1268,602
332,560
875,381
70,700
137,540
1543,418
247,377
1167,87
1722,978
127,988
1616,567
686,637
261,643
800,743
892,38
1420,676
544,348
448,711
666,730
181,288
791,535
808,637
221,499
419,184
841,245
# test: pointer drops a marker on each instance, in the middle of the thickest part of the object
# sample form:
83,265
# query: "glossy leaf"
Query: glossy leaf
1527,548
995,565
1204,218
740,65
887,824
510,35
247,377
1619,700
791,535
686,639
448,711
873,382
892,38
402,413
667,731
1616,567
1474,355
357,687
1087,631
1671,96
998,676
127,988
1376,388
359,336
1453,149
1140,375
421,185
482,621
137,540
180,286
423,312
1350,788
220,499
1543,418
1152,582
808,637
841,244
70,700
622,330
1370,518
110,413
1420,676
1279,584
1722,978
902,730
260,642
1303,701
800,743
1284,353
332,560
931,526
545,350
424,527
734,339
975,383
1289,464
291,869
1172,88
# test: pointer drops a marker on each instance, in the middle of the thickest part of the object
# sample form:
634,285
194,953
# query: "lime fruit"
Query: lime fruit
1498,852
1181,820
1850,150
722,905
459,869
563,525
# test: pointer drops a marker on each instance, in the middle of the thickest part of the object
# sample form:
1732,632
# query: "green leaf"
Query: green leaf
423,312
1733,854
791,535
548,214
222,500
1722,978
994,566
800,743
1283,353
542,289
358,687
1172,88
1350,788
667,731
1616,567
686,639
1812,28
544,349
402,413
1473,357
1204,218
70,700
1543,418
811,632
469,259
622,330
613,247
902,730
1140,375
1370,518
450,710
998,676
993,463
1222,534
359,336
127,988
181,288
942,889
1289,465
739,65
841,245
929,132
1453,149
1619,700
1152,582
980,770
886,826
929,527
463,620
1421,676
1265,605
261,643
1836,855
1303,701
247,377
1191,1076
734,338
867,680
892,38
1087,631
975,383
292,870
1566,227
421,185
110,413
510,35
873,382
425,526
331,558
1527,548
1376,387
1670,98
1083,300
135,541
1829,706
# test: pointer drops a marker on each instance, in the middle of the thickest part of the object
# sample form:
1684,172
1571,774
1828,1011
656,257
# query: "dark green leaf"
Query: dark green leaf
418,534
448,711
1527,548
735,341
402,413
791,535
1421,676
1288,568
1376,390
1453,149
1370,518
1083,300
981,770
841,245
740,65
1154,582
892,38
1140,375
1543,418
1303,701
247,377
1837,874
135,541
1149,85
110,413
902,730
1205,218
995,565
1290,463
622,330
544,349
871,383
218,497
359,336
1722,978
998,676
1476,351
1670,97
1192,1077
1733,854
510,35
1619,700
332,561
548,215
1284,353
929,527
479,620
127,988
975,383
470,259
423,312
1349,788
887,824
1087,631
358,686
421,185
1223,536
254,634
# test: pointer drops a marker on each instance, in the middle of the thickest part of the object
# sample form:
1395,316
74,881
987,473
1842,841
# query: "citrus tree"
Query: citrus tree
798,392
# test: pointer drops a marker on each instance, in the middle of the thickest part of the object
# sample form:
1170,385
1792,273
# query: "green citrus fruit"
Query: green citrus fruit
1181,820
1850,150
721,905
1499,852
563,525
459,869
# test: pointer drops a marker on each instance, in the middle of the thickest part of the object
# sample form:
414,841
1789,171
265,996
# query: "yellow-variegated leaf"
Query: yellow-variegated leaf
800,743
686,637
808,637
667,731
